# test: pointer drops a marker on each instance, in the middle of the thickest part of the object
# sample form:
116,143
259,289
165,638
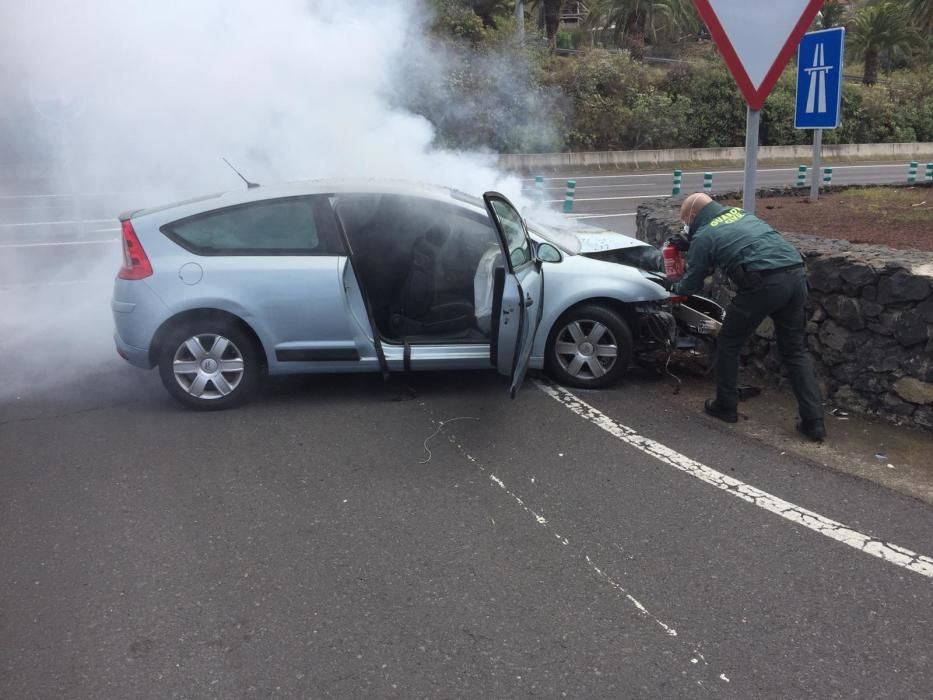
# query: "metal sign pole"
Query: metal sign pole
815,173
751,159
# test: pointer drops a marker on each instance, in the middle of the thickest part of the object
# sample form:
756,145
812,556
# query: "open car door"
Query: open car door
518,294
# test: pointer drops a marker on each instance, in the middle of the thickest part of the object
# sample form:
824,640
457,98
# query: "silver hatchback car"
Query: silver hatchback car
367,276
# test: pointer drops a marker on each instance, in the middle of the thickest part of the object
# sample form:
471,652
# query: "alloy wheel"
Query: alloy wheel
586,349
208,366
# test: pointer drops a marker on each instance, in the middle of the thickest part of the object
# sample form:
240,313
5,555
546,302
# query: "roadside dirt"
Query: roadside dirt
893,456
898,218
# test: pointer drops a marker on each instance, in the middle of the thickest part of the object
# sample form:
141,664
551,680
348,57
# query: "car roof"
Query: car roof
220,200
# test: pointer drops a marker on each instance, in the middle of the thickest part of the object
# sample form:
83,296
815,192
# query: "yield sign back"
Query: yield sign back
757,38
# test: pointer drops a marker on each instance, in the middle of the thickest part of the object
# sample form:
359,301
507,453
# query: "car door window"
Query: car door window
513,229
285,226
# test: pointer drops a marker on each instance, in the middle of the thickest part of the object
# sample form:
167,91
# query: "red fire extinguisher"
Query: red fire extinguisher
674,265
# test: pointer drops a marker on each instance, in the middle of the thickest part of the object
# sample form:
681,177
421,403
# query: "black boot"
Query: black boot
717,411
812,428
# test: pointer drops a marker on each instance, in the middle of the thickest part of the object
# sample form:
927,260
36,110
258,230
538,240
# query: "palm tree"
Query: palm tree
922,11
831,14
551,11
642,20
490,10
882,28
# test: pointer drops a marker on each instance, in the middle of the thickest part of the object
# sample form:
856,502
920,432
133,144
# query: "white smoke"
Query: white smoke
141,99
287,90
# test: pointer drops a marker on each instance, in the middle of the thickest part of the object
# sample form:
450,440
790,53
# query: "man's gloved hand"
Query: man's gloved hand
680,241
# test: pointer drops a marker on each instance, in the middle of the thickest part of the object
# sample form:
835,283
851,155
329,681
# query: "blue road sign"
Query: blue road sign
819,79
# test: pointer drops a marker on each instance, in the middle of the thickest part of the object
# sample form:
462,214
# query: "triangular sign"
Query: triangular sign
757,38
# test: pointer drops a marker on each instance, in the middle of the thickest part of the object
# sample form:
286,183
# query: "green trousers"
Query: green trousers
782,296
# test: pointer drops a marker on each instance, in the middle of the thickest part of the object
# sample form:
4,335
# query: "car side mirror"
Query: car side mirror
548,253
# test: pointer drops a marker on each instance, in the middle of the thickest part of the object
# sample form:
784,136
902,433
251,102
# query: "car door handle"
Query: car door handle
529,301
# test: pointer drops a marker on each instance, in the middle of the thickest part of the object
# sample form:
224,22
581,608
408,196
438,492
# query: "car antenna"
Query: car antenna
249,185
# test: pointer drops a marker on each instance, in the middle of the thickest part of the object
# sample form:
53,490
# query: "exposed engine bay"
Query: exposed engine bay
684,332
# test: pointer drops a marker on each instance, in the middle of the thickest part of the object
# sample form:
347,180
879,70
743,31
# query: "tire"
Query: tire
191,364
573,357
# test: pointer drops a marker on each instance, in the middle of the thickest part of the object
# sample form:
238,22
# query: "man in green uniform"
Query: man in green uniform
771,280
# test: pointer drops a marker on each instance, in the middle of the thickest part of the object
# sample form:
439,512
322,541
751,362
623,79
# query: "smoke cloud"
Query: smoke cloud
136,101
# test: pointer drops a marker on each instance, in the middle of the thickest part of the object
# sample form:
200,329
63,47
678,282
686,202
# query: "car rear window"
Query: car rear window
276,227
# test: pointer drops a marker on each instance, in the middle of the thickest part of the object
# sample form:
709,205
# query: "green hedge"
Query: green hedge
617,103
492,93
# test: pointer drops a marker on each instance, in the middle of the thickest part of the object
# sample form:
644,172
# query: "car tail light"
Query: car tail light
136,264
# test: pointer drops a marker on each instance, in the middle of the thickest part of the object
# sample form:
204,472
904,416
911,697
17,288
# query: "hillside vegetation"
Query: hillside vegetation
640,75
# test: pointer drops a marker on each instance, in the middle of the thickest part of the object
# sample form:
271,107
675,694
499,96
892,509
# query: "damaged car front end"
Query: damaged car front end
668,330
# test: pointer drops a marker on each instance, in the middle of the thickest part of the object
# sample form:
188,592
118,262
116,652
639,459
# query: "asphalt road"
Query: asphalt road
309,545
345,537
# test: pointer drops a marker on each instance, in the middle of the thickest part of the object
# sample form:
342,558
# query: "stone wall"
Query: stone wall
870,319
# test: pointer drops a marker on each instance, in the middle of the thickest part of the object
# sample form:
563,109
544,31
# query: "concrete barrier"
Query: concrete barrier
683,156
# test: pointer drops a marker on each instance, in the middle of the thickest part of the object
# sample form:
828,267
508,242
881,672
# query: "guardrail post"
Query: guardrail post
827,176
912,173
677,179
707,182
568,198
801,175
929,172
539,188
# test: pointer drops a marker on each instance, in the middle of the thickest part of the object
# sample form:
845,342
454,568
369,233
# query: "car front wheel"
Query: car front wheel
209,365
590,347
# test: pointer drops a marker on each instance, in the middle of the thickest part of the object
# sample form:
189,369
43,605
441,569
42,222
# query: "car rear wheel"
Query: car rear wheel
590,347
209,365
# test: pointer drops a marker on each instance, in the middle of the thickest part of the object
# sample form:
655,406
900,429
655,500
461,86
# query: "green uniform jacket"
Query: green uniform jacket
726,237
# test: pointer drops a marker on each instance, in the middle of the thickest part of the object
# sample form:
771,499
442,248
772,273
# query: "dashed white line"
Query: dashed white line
58,243
891,553
530,190
57,223
597,216
836,168
64,283
606,199
542,521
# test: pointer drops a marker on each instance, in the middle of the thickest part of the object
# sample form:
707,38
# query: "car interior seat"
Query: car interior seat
377,261
419,307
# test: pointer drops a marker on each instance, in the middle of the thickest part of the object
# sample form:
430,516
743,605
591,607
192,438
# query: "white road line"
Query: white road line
597,216
542,521
887,551
836,168
58,243
58,223
530,190
53,195
606,199
64,283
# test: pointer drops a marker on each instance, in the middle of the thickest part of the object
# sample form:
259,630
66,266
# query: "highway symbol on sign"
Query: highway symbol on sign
819,79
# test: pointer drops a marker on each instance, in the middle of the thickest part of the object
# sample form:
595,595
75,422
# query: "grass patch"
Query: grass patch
908,206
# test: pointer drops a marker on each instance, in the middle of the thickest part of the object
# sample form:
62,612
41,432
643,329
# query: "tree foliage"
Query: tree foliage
488,91
634,23
881,29
832,14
